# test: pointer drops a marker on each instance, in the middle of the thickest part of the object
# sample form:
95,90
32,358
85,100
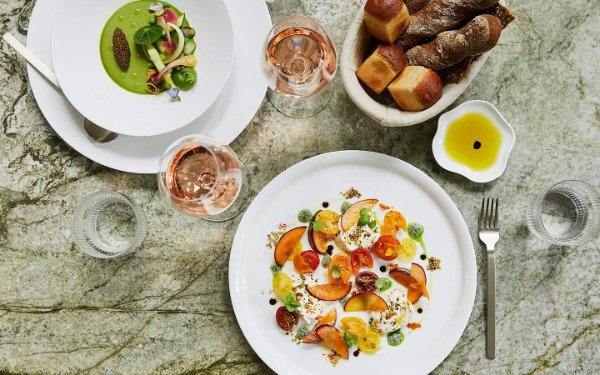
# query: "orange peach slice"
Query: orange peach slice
414,280
332,338
352,214
365,302
330,292
317,240
286,244
330,318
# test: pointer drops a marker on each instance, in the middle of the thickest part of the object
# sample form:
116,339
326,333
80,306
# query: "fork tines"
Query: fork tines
488,219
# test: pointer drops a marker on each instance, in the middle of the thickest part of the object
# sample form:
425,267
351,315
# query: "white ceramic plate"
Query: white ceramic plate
491,112
84,81
225,120
395,182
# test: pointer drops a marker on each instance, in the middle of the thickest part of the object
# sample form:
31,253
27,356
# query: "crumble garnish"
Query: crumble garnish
351,193
434,264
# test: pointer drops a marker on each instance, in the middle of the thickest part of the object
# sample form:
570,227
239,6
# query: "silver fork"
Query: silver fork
489,233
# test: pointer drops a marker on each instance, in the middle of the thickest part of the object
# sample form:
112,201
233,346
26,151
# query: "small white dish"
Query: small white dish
506,146
89,88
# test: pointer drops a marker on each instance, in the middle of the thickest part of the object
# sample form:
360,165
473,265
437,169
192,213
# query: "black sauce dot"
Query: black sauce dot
272,301
325,204
356,352
477,145
383,268
423,256
330,249
420,310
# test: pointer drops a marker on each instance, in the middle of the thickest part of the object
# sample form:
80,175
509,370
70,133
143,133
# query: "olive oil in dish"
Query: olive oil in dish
474,141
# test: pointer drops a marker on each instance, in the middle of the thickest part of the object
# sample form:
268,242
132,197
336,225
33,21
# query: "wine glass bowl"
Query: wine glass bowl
201,177
300,63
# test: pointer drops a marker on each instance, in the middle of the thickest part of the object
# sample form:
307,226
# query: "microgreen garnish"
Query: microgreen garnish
148,34
336,272
344,300
345,206
275,269
290,303
395,338
350,339
318,225
305,216
383,284
325,261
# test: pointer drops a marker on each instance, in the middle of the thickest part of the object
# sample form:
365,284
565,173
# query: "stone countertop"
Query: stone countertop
166,307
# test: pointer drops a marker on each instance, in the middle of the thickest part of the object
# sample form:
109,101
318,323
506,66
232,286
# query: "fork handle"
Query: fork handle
491,305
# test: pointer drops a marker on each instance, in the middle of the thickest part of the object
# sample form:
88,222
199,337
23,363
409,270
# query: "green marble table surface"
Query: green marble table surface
166,307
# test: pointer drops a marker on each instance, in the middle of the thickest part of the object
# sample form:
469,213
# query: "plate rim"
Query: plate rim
360,156
66,122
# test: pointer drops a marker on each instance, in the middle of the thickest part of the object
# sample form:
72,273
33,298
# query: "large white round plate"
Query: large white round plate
306,185
224,120
84,81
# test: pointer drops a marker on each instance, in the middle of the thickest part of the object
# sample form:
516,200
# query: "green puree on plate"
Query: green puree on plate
130,18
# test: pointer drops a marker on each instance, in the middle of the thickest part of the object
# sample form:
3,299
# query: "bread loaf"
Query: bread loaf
416,88
381,67
386,19
451,47
438,16
415,5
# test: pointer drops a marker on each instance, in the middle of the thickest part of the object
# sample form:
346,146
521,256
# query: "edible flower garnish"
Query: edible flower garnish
174,93
155,7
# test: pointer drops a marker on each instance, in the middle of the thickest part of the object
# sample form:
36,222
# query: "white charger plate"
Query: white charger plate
224,120
395,182
89,88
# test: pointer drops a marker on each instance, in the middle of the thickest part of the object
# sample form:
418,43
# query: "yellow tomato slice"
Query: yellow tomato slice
282,284
330,221
370,343
355,325
407,250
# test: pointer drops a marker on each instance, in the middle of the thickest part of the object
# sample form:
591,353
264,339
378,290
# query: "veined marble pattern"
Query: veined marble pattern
166,307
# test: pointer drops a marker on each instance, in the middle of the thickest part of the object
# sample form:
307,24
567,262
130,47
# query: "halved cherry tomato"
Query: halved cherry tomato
285,319
306,262
312,258
392,222
360,258
386,247
345,266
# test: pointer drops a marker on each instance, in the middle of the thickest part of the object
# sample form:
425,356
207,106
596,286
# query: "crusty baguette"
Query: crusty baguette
415,5
451,47
379,69
439,16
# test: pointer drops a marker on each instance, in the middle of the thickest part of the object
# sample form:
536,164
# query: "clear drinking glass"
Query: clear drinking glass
567,214
300,63
108,224
201,177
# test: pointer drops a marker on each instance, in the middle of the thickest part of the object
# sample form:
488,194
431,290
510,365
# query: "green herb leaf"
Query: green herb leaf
301,333
364,211
336,272
290,303
318,225
305,216
275,269
350,339
383,284
325,261
363,220
372,224
395,338
345,206
148,34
